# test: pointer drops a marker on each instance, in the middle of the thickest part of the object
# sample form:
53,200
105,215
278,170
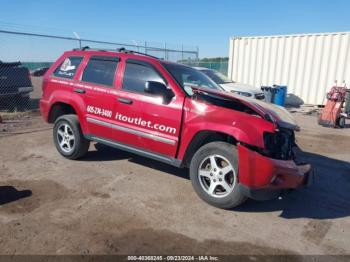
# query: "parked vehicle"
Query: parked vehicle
39,71
234,147
15,84
231,86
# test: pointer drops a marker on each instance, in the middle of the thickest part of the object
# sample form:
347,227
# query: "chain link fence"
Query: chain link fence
222,66
24,57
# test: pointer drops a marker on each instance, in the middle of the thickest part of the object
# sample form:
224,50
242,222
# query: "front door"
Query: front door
143,120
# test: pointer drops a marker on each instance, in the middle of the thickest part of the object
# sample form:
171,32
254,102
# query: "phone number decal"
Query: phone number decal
99,111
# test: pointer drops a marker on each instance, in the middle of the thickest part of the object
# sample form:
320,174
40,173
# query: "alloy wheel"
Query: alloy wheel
216,176
65,138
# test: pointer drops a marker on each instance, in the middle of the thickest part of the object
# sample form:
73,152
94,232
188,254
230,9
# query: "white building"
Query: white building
307,63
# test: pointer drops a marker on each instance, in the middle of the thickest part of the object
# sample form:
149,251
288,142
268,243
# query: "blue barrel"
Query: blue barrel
280,95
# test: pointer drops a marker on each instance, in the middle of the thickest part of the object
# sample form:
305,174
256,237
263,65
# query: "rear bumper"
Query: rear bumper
262,177
24,91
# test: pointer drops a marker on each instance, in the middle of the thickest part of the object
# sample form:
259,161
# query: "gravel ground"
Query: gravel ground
112,202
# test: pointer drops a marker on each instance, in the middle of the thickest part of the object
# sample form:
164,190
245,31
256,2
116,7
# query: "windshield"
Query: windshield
217,77
186,77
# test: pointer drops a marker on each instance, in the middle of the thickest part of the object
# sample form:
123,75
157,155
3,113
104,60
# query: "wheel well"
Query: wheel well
202,138
60,109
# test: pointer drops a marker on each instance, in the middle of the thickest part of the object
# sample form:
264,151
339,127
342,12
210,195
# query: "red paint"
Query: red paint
187,115
257,171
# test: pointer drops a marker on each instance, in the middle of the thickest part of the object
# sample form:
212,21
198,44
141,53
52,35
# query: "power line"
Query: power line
149,48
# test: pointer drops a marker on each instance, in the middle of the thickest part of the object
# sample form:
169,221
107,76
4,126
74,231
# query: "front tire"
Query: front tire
68,137
214,175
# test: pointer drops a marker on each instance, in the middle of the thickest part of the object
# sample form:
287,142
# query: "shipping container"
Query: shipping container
307,63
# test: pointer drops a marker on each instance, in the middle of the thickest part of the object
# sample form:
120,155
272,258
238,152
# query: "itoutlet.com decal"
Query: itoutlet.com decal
139,121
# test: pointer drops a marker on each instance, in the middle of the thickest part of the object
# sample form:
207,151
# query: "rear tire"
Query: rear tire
214,175
68,137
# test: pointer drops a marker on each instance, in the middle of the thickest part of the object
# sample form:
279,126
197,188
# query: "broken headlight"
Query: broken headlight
279,145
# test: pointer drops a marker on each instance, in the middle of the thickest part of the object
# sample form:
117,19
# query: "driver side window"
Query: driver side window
137,74
190,80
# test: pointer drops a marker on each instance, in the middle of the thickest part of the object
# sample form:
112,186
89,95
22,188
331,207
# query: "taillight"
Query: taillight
43,86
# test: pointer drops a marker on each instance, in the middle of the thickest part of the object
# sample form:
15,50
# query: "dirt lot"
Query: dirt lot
118,203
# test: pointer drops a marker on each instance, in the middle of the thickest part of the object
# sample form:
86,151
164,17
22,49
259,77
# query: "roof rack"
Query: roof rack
119,50
84,48
126,51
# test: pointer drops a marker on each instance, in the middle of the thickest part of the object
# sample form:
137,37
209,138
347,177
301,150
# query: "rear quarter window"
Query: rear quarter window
68,67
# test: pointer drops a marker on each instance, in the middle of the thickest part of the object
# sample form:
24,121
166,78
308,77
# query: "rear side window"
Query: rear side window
100,70
68,67
137,74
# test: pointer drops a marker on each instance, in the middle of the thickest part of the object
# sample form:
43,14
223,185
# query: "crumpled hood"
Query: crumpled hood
278,113
241,87
271,112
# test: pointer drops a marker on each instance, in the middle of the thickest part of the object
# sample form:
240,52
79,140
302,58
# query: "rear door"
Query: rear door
96,87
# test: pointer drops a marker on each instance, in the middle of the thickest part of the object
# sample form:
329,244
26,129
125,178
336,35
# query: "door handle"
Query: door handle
80,91
125,101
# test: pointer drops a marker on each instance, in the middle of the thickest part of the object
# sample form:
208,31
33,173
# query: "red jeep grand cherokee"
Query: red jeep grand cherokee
235,147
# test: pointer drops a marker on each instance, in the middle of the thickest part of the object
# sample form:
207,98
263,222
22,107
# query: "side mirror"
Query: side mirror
157,88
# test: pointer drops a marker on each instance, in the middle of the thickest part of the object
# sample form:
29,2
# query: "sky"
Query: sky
207,24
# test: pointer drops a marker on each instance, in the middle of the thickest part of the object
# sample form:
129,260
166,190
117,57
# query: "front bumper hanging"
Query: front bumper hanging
261,175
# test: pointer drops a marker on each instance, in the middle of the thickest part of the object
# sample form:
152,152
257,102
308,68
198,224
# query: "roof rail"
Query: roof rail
81,48
84,48
126,51
119,50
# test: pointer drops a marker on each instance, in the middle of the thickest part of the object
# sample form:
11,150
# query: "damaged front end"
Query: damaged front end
265,172
279,145
267,149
